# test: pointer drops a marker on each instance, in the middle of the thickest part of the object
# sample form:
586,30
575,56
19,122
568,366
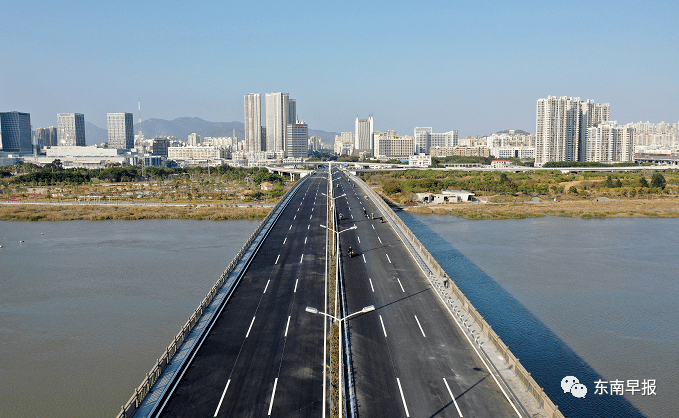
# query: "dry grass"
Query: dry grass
631,208
128,212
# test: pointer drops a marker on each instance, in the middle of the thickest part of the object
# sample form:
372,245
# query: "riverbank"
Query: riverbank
632,208
91,212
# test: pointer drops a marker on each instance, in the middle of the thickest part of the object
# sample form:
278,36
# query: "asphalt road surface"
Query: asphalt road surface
409,358
264,355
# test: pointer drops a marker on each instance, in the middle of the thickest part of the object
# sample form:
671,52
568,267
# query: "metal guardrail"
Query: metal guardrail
462,306
132,405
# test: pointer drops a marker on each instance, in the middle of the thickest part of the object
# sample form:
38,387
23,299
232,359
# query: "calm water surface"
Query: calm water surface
87,308
584,297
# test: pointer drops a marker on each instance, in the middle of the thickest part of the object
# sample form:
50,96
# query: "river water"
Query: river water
597,299
87,308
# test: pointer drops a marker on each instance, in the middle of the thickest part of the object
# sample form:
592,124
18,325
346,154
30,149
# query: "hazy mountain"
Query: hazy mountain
182,127
516,132
95,135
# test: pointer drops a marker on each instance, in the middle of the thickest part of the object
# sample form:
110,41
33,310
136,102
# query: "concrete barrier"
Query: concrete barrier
140,393
452,294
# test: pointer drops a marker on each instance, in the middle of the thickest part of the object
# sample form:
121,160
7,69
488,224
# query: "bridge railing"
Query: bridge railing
131,406
452,294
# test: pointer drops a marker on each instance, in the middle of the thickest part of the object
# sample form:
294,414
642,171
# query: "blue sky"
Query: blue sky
477,67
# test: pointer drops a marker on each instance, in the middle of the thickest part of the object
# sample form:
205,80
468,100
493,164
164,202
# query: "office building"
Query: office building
254,138
561,127
16,132
120,130
422,139
160,146
298,140
292,111
277,117
364,135
71,129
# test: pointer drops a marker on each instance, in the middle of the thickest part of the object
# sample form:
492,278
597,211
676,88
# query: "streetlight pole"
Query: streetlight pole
315,311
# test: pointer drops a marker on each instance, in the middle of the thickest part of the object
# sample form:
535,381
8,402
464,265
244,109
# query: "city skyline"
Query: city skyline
486,64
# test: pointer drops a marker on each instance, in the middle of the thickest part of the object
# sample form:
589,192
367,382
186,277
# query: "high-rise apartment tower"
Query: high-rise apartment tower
253,122
277,118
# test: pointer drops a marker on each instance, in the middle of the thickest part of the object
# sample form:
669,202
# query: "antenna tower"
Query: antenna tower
141,134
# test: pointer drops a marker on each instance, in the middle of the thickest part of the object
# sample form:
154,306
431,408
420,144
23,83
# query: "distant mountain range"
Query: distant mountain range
516,132
182,127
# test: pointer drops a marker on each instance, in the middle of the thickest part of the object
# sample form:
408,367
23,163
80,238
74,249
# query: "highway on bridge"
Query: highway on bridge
264,355
409,358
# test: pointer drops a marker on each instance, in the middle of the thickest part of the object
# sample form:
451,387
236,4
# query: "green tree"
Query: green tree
658,180
573,190
643,182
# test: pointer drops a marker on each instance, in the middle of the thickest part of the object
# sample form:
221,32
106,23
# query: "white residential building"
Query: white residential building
277,119
344,143
390,145
197,153
425,139
560,127
252,103
609,143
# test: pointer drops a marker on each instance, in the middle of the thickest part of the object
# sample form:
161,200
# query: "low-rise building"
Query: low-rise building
478,151
419,160
446,196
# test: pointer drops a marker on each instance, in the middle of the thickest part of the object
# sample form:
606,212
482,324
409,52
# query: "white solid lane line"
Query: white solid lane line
419,325
364,258
279,256
371,285
295,291
399,283
253,321
267,285
403,398
275,383
388,258
379,239
286,327
383,329
452,396
302,258
222,398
